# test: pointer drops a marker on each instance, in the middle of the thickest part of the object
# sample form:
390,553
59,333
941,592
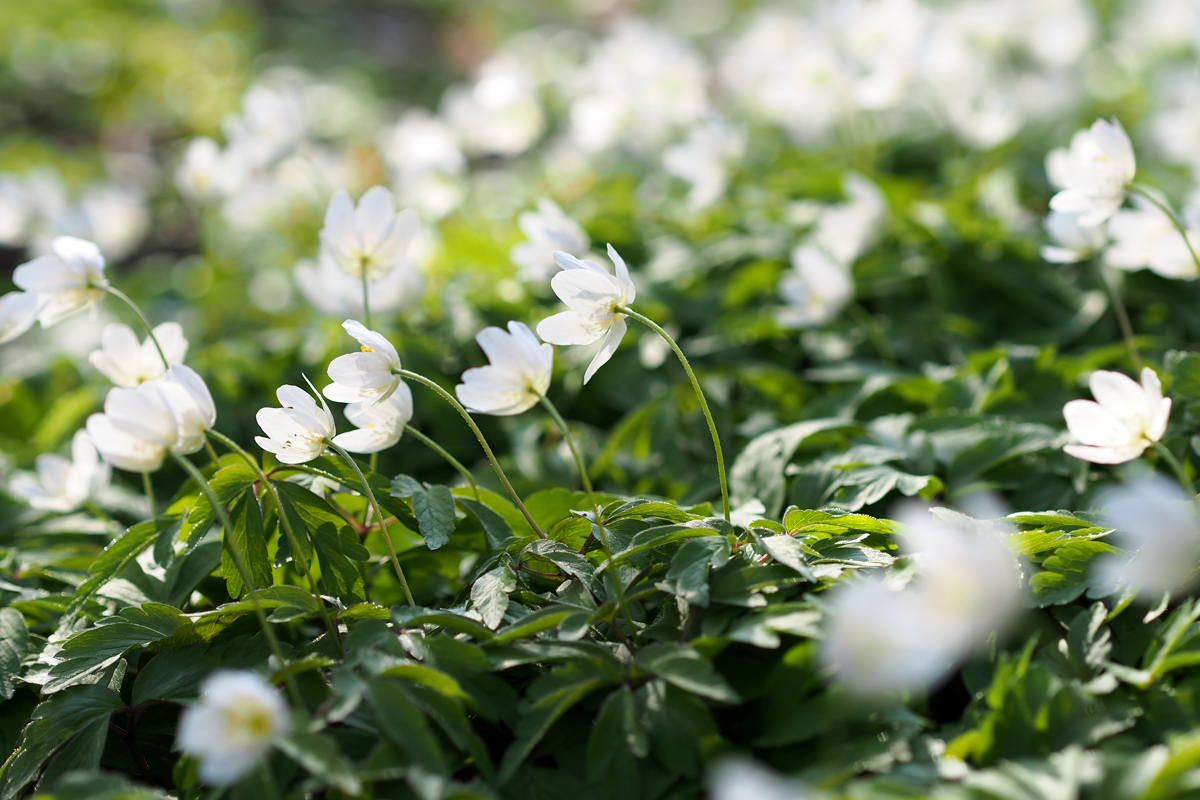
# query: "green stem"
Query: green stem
149,487
1165,453
451,460
239,560
289,531
1122,315
366,302
1171,216
387,539
212,453
137,312
449,398
687,367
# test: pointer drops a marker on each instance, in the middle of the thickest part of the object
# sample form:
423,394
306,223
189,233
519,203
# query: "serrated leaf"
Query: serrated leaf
247,520
14,644
688,574
788,551
95,648
489,594
434,509
403,723
685,668
495,527
118,555
226,483
758,471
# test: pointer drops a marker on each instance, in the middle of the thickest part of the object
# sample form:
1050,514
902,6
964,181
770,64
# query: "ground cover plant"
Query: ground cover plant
599,399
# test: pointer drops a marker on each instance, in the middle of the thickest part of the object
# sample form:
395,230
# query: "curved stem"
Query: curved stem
451,460
687,367
124,298
449,398
239,559
1122,315
1171,216
149,487
212,454
1165,453
387,539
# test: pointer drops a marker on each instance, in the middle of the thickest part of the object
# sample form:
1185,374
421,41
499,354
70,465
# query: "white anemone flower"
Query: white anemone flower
379,425
1072,242
137,428
18,312
1122,422
69,280
517,377
126,362
1145,237
191,404
816,289
1093,174
1159,524
62,484
366,377
592,294
239,718
369,238
547,231
298,432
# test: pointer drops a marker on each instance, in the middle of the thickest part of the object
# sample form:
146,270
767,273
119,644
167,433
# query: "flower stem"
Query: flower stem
1171,216
213,453
366,301
1165,453
451,460
687,367
1122,315
239,559
137,312
387,539
449,398
149,487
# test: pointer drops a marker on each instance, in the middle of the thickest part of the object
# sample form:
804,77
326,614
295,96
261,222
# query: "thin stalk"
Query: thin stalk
1171,216
366,301
149,487
1165,453
239,560
587,487
1122,315
387,539
208,448
137,312
289,531
449,398
451,460
687,367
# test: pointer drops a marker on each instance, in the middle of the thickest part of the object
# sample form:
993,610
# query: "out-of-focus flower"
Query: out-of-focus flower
369,376
1072,242
371,238
332,292
547,230
60,484
427,163
1122,422
272,123
815,290
137,428
1145,237
380,425
517,376
206,172
846,230
739,778
16,210
500,114
1159,524
298,432
115,217
70,280
703,160
592,294
192,406
239,718
125,362
18,312
1093,174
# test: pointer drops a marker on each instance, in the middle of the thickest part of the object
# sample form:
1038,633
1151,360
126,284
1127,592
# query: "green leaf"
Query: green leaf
175,675
227,483
685,668
403,723
413,617
118,555
14,644
246,517
533,624
489,594
434,509
318,753
677,724
495,527
866,486
666,534
789,551
687,576
616,741
643,509
96,648
758,471
565,559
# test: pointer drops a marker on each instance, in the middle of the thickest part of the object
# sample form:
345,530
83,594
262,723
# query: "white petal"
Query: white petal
609,346
18,312
567,327
586,293
623,276
1092,424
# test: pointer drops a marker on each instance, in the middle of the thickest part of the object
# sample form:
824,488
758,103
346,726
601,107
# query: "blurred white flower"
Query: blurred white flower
547,230
500,113
239,717
1122,422
125,362
137,428
272,123
592,294
115,218
1145,237
369,376
739,778
1156,521
16,211
1072,242
846,230
60,484
70,280
191,405
380,425
206,172
18,312
298,432
1093,174
517,376
815,290
371,238
332,292
427,163
703,160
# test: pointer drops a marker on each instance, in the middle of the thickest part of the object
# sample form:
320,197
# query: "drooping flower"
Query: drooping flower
239,717
1072,242
18,312
192,406
1121,422
298,432
1156,521
592,294
62,484
1093,174
137,428
69,280
126,362
547,230
369,238
379,425
517,377
366,377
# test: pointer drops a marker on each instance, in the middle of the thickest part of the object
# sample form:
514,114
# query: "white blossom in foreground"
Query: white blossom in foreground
547,231
298,432
371,237
1159,524
1092,175
69,280
517,376
592,294
1072,242
126,362
137,428
379,425
18,312
1122,422
369,376
62,484
739,778
191,405
816,289
239,717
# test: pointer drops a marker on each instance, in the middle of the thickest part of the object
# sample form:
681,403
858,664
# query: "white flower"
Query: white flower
369,376
1072,242
125,362
61,484
70,280
592,293
18,312
1145,237
548,230
517,376
1094,173
332,292
298,432
380,425
703,160
207,173
1159,523
739,778
500,114
846,230
426,162
1122,422
191,404
137,428
816,290
372,237
238,719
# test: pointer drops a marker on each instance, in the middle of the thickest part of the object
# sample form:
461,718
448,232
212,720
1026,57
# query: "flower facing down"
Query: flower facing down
1093,173
1159,524
517,377
60,484
69,280
238,719
126,362
298,432
379,425
366,377
371,237
191,405
1122,422
592,294
18,312
137,428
